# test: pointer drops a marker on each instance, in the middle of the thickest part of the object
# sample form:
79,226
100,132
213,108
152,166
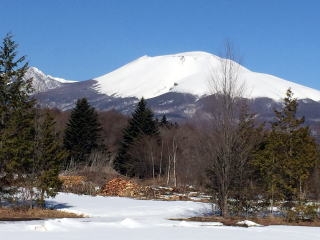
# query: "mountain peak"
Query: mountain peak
189,72
42,82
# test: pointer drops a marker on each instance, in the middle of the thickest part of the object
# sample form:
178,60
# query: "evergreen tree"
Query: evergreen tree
82,133
16,118
288,153
141,124
29,156
164,123
49,156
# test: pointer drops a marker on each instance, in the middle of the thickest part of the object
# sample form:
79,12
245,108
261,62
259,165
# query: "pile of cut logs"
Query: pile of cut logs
120,187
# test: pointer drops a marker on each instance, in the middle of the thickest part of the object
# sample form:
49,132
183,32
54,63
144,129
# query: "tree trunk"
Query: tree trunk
42,202
153,168
169,169
160,164
174,153
224,206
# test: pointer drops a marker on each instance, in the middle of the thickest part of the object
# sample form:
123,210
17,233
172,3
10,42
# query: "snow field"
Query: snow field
123,218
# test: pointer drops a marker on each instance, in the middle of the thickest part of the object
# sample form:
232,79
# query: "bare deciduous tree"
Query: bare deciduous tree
228,148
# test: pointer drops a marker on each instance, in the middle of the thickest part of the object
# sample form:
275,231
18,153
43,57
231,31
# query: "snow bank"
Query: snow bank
248,223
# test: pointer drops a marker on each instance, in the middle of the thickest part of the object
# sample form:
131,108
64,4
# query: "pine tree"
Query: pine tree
13,89
141,124
49,156
288,154
164,123
82,133
16,118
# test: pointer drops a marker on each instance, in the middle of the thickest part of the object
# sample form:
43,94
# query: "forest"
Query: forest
247,167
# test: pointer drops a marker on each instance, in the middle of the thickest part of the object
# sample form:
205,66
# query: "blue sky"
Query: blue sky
82,39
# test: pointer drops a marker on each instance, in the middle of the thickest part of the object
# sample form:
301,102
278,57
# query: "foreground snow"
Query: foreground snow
122,218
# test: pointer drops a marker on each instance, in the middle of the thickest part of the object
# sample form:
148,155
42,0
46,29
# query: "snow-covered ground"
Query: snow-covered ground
123,218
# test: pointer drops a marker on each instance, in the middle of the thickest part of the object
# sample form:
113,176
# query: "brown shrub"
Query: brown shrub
77,184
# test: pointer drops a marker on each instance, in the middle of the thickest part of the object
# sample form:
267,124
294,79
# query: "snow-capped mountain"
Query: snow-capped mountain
191,73
177,85
42,82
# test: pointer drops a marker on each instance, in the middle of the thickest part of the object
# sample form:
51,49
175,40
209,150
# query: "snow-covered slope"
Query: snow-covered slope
190,72
42,82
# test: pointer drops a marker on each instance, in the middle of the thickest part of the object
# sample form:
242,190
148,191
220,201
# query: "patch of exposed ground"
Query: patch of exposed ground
262,221
9,214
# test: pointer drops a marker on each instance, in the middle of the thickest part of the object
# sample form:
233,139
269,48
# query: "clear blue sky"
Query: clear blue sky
82,39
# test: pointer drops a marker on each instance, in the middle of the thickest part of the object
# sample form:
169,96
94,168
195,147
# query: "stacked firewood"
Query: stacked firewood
120,187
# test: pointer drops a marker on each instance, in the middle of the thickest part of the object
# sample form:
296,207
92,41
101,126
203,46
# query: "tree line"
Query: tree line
240,161
245,165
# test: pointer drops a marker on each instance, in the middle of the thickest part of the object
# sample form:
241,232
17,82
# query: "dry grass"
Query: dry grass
282,221
262,221
77,184
9,214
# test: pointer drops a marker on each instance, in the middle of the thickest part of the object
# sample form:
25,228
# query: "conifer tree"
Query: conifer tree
288,154
141,124
16,117
49,156
29,156
82,133
164,122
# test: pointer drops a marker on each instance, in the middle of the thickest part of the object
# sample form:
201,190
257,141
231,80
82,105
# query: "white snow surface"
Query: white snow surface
190,72
62,80
123,218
